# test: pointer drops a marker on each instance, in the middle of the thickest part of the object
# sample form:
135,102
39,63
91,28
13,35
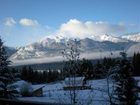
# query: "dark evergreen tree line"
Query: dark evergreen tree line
83,68
136,64
92,71
34,76
6,77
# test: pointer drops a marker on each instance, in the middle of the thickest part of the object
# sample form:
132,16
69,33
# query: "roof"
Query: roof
76,78
70,81
36,87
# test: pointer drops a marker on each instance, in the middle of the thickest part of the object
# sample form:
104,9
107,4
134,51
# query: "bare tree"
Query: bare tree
72,56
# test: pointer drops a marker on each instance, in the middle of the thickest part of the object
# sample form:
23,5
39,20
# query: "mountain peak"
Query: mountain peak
100,38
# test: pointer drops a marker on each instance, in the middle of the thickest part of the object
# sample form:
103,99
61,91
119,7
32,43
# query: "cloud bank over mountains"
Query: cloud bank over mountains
79,29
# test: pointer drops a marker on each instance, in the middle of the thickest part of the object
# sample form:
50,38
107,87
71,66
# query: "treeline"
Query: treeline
102,67
85,68
34,76
91,71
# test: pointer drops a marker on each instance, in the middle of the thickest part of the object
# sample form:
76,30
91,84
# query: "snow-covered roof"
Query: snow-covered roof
76,78
35,87
78,81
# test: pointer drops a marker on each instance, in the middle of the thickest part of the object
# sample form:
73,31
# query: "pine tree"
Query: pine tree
136,64
5,75
24,73
86,69
125,84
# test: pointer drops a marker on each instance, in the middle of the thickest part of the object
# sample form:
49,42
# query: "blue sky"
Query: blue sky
25,21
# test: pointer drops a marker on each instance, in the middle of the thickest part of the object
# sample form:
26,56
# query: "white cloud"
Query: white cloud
9,21
76,28
28,22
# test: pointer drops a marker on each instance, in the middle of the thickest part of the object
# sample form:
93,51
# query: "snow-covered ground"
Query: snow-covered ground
54,93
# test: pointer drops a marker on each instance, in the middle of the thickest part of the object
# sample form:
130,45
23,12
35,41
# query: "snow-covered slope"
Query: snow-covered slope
50,47
134,49
133,37
39,49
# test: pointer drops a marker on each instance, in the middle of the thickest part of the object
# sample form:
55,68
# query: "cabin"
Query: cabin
77,83
38,91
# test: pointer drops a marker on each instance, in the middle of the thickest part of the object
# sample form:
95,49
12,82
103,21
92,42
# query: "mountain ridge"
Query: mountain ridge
53,45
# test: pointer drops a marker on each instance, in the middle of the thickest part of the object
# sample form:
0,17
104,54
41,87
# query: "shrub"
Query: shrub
26,90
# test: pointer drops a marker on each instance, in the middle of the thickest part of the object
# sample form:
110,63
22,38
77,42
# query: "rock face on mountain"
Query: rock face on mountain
53,46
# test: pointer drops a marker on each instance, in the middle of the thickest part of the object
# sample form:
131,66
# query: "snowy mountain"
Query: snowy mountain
133,37
50,47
